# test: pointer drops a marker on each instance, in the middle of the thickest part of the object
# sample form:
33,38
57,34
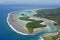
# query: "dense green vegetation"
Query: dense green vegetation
49,38
55,37
34,24
53,14
26,18
22,14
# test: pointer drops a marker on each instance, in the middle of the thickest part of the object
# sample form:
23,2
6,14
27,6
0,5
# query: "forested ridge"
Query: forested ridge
52,14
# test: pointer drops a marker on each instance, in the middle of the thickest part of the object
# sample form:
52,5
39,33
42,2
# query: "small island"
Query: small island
44,22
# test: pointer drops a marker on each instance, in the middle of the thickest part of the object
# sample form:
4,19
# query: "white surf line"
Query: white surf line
41,38
13,27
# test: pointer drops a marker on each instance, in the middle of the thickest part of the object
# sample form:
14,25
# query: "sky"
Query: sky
41,2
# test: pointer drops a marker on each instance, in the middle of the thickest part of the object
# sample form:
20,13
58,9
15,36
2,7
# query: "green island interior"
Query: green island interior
33,24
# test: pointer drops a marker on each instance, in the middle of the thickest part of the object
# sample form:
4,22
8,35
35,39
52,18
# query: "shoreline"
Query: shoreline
13,27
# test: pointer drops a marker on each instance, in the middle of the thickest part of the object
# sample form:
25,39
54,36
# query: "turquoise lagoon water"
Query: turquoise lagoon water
6,33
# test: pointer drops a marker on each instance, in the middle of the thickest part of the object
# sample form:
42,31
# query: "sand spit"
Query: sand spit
14,25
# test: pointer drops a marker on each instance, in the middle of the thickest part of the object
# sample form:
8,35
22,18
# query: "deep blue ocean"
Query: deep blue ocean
6,33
